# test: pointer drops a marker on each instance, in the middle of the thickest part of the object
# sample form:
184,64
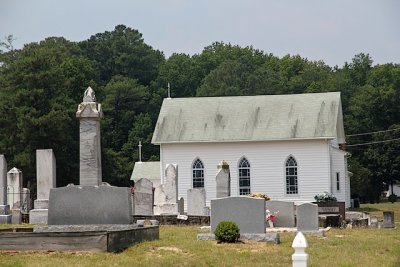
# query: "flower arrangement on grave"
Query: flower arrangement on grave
325,197
270,217
260,195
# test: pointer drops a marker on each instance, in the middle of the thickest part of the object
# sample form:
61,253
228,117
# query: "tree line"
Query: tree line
42,84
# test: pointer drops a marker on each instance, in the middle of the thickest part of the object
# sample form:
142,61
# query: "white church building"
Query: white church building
290,147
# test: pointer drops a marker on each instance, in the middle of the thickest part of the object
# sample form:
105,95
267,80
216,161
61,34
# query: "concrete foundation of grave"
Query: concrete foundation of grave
38,216
5,219
96,238
269,237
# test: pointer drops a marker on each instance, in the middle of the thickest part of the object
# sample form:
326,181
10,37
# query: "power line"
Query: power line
396,129
377,142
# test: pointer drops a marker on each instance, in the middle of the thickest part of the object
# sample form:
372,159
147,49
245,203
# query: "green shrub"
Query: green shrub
392,198
227,231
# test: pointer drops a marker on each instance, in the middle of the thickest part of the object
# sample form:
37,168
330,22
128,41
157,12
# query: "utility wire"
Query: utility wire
377,142
396,129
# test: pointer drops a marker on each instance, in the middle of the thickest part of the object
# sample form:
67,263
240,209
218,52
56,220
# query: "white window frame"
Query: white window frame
337,182
194,170
295,175
239,176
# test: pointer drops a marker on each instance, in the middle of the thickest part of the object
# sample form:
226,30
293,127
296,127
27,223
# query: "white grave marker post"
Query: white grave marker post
299,257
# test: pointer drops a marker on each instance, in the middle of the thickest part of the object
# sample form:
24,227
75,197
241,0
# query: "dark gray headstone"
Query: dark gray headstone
285,209
248,213
388,219
90,205
181,206
307,217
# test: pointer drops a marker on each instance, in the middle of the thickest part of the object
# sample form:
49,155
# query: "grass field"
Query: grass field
178,247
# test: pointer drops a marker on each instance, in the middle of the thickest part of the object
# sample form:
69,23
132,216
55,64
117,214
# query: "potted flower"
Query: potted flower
271,216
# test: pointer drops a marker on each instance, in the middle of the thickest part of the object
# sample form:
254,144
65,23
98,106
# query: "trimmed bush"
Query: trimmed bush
392,198
227,231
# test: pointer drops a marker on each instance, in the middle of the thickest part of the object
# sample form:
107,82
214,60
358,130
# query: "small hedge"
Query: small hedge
393,198
227,231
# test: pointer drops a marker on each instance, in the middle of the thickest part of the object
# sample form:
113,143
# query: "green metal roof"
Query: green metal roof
149,170
250,118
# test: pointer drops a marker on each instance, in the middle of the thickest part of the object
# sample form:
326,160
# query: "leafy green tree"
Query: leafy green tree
122,52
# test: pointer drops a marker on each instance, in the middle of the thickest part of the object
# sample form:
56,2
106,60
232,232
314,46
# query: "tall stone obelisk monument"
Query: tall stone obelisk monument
89,114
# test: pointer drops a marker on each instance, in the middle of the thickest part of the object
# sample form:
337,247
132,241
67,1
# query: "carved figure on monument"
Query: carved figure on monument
89,95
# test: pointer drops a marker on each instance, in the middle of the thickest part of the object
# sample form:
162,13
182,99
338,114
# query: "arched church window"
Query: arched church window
198,174
291,176
244,177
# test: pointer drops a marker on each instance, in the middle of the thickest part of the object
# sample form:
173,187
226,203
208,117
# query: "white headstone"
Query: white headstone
196,198
143,197
14,188
166,195
89,114
46,180
223,180
307,217
45,172
171,183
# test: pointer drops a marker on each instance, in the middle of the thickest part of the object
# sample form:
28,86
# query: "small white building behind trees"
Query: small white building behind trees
290,147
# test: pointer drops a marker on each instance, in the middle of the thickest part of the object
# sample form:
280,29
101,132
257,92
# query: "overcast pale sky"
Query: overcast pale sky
332,31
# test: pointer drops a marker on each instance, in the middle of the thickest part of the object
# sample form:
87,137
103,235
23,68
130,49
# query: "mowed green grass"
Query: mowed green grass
178,247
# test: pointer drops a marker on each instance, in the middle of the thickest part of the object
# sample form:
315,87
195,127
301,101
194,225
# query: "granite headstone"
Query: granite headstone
286,212
247,212
307,217
90,205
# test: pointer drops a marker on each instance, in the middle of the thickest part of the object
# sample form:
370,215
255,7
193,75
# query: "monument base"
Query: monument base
5,219
41,204
38,216
166,209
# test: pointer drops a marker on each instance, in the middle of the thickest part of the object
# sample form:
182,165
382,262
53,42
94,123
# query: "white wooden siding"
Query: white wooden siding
267,166
339,165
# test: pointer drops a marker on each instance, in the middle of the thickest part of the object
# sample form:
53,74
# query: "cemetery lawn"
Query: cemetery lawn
178,247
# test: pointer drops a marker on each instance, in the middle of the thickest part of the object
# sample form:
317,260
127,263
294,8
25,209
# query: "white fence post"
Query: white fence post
299,256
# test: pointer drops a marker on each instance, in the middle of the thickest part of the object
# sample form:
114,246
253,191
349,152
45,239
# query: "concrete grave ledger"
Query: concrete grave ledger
247,212
90,205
